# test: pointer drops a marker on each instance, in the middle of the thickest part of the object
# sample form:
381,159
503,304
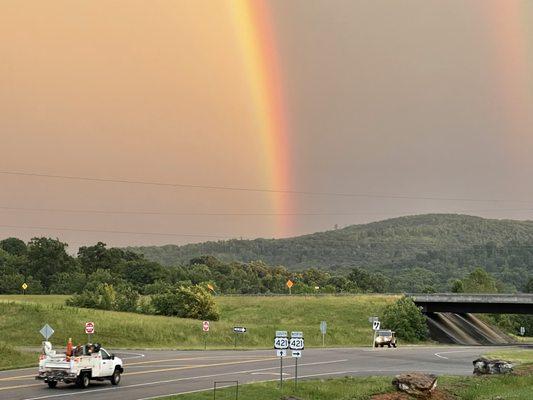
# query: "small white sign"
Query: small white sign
296,354
281,343
376,325
296,343
281,353
205,326
89,328
522,331
239,329
323,327
372,319
281,334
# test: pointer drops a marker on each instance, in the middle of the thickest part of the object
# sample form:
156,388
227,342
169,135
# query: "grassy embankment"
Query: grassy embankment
21,318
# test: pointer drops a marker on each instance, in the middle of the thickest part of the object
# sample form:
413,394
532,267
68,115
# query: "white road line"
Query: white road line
450,352
135,355
78,393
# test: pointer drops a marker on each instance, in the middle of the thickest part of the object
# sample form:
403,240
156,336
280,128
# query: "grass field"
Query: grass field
515,387
21,317
12,358
515,355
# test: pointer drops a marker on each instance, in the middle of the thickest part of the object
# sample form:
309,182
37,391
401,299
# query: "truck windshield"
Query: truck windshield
385,333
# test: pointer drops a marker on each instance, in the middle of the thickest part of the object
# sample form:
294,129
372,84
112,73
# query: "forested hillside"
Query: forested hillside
441,246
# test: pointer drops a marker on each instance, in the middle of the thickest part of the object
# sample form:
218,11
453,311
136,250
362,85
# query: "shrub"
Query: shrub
187,302
406,320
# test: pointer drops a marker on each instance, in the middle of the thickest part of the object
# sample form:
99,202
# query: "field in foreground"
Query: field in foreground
21,317
516,387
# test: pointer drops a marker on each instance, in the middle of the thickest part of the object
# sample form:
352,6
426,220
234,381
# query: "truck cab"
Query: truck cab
86,363
385,337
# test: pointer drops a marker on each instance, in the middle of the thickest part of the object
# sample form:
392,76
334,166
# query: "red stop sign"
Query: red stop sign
89,328
205,326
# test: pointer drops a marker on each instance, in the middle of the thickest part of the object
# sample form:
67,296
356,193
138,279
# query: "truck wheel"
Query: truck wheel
115,378
83,380
389,345
394,345
52,384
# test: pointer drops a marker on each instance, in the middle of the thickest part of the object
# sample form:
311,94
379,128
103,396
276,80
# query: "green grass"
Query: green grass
12,358
316,389
515,387
347,318
35,298
515,355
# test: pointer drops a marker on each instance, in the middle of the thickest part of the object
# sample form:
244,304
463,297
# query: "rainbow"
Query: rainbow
507,25
255,33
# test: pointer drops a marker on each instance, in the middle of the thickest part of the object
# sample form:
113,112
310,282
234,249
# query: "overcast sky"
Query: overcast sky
416,99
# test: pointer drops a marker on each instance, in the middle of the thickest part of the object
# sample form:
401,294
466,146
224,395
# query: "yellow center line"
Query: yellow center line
20,386
181,359
14,378
200,366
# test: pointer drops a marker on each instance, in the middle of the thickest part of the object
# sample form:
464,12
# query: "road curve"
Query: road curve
150,374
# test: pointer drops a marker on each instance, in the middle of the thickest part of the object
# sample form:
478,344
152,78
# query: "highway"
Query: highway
152,373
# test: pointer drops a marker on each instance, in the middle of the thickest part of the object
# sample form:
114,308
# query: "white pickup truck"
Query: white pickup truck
88,362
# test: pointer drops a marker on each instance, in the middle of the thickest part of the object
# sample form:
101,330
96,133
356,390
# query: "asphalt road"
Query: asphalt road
150,374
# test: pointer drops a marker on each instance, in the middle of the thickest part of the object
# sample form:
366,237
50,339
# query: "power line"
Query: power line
258,190
55,228
238,214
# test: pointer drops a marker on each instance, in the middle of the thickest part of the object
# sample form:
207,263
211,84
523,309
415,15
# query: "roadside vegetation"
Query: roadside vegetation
517,386
346,316
13,358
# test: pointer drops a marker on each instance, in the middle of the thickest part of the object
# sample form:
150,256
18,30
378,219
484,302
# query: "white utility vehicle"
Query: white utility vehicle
88,362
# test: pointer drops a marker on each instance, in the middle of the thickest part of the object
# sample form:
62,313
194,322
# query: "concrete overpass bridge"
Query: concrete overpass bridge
474,303
450,316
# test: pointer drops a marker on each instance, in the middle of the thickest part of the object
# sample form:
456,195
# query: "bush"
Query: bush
406,320
187,302
107,297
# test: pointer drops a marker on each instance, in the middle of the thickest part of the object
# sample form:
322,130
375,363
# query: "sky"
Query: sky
206,120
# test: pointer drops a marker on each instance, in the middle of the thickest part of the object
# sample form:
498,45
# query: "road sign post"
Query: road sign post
375,326
24,287
290,284
281,344
205,329
46,331
323,329
238,330
296,344
89,330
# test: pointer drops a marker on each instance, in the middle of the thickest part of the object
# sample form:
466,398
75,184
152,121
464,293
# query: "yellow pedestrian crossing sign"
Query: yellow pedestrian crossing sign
24,286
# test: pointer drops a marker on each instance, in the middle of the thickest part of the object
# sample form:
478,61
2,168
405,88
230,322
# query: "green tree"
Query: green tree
406,320
14,246
48,257
143,272
187,302
529,286
458,286
479,281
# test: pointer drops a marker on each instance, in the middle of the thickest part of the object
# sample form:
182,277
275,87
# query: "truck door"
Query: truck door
107,364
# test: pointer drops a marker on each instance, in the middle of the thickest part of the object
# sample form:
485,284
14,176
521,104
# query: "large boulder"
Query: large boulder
487,366
416,384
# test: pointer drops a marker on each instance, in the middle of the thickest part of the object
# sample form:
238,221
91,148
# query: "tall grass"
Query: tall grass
346,316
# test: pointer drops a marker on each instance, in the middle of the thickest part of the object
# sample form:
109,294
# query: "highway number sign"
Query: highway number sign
296,343
205,326
376,325
296,354
89,328
281,343
281,353
239,329
522,331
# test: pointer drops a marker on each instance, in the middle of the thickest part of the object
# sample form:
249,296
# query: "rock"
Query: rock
487,366
416,384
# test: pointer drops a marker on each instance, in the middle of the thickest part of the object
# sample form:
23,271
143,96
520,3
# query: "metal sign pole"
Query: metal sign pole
281,373
205,340
296,375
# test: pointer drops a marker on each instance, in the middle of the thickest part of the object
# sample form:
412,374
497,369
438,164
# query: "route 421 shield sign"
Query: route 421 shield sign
281,343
